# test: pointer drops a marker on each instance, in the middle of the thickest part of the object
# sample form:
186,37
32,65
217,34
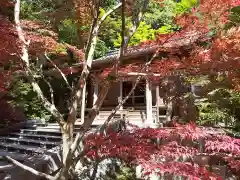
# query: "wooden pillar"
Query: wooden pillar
95,92
121,93
148,101
169,111
157,103
83,102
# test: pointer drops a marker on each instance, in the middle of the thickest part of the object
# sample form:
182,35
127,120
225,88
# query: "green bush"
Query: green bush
185,5
25,98
219,107
126,173
101,49
68,31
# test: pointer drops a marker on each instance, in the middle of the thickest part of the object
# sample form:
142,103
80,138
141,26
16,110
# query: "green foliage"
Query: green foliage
220,106
165,29
107,4
101,49
60,48
217,103
35,10
143,33
157,20
160,15
25,98
67,30
109,29
234,17
185,5
126,173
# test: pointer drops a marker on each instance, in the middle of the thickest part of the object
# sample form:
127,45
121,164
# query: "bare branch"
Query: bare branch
49,106
97,24
94,22
123,29
137,21
50,89
25,44
78,91
29,169
108,13
95,34
123,43
59,70
121,53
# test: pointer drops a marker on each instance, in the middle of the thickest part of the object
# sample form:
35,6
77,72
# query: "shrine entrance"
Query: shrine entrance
138,96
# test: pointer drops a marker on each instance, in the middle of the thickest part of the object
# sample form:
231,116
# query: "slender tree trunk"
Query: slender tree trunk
67,136
95,110
67,140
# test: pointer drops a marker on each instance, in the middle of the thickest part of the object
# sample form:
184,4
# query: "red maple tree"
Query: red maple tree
184,150
221,54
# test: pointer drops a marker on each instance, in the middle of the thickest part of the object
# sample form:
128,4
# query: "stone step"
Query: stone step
129,114
22,141
144,117
41,132
124,112
56,126
37,137
36,124
78,124
21,148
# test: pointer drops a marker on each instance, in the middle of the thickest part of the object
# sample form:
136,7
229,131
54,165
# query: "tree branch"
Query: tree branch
59,70
50,89
121,53
123,28
137,21
29,169
78,90
25,58
133,88
108,13
119,105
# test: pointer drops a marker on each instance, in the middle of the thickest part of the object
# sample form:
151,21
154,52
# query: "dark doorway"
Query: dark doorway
138,96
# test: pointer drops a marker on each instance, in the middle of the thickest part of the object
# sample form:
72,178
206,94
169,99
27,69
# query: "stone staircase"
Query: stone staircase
37,144
34,144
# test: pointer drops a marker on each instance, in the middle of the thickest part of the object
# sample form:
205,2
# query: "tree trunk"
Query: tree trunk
95,110
67,138
67,141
